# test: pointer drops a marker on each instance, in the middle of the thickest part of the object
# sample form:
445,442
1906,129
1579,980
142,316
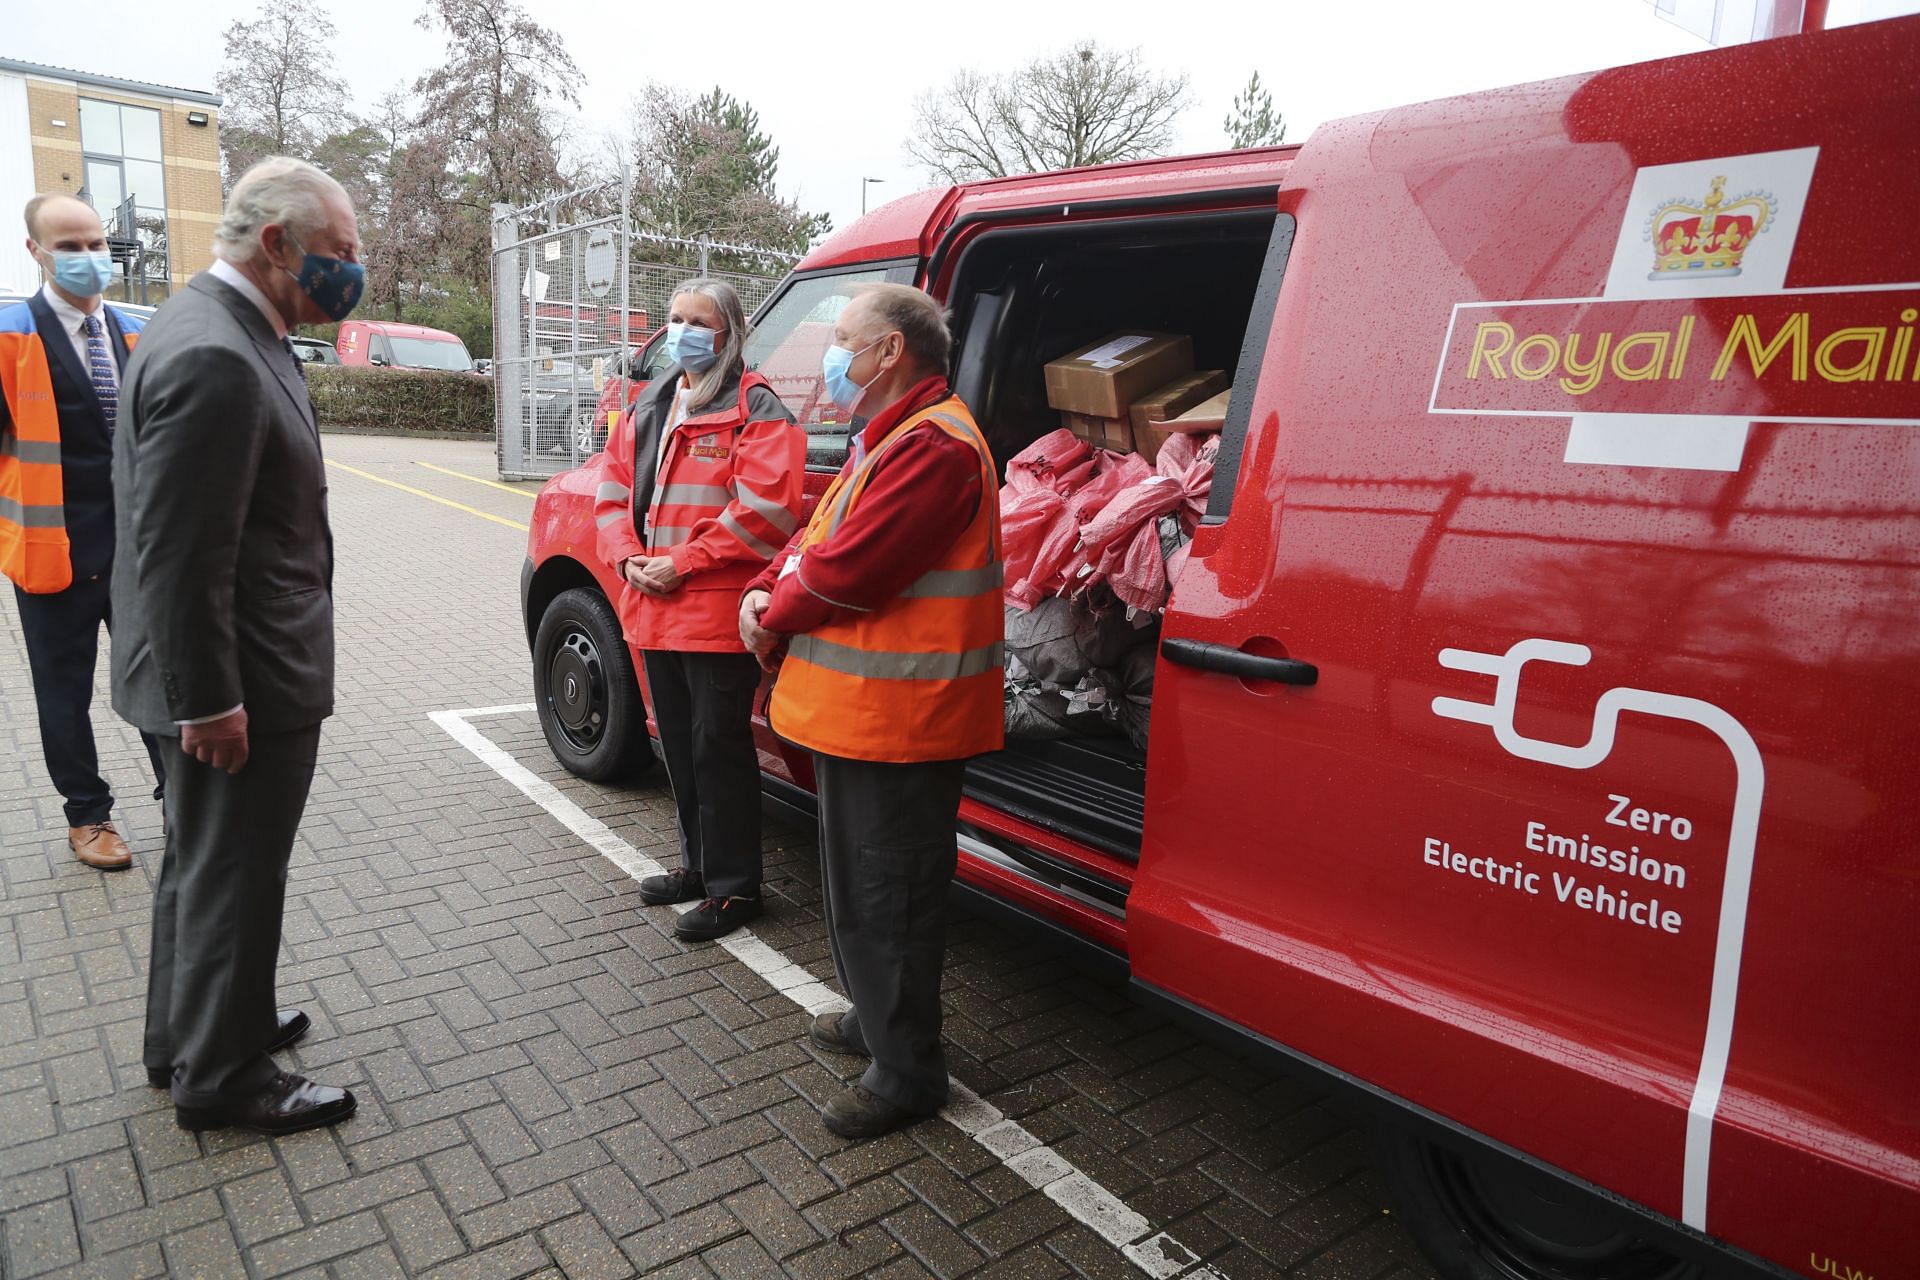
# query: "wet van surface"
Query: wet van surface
1533,716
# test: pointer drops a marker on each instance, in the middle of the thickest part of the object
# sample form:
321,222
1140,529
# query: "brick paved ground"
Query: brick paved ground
549,1082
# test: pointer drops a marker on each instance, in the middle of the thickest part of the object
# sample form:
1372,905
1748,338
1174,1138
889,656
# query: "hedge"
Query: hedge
368,398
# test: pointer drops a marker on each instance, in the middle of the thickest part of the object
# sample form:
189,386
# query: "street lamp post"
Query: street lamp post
864,182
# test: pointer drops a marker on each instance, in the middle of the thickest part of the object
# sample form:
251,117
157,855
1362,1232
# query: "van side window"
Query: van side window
653,362
1246,375
788,340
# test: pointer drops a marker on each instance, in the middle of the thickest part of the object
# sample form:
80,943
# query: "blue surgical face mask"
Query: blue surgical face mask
333,284
690,347
842,389
84,273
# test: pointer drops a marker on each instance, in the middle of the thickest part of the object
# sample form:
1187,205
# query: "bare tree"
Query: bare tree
280,98
1084,105
1253,121
488,102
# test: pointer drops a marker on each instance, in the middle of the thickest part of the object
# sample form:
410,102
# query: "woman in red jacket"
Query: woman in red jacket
702,485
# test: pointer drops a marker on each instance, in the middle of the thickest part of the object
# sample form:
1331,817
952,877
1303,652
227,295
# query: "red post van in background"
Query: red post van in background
401,346
1533,721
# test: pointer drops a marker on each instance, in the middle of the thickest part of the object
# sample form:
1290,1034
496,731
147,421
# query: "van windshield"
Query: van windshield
431,353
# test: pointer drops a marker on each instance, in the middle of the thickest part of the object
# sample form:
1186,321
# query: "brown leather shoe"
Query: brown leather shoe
99,846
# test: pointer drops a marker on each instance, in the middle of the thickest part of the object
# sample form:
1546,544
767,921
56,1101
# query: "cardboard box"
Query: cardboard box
1209,415
1103,433
1104,379
1176,397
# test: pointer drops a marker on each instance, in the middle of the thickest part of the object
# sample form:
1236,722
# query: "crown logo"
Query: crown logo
1706,239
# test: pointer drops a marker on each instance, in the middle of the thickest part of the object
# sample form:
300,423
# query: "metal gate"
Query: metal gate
574,293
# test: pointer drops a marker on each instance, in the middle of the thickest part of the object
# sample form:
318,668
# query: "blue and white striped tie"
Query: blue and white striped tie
105,384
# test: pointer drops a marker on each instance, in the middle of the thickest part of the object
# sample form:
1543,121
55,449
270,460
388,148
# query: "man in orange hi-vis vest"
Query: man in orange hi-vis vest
888,605
61,356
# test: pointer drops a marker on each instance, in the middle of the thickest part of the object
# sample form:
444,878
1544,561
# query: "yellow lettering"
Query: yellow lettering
1680,345
1902,339
1746,333
1541,342
1587,374
1649,368
1866,368
1488,328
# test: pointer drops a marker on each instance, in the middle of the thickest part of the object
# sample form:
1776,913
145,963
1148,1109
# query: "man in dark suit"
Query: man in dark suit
224,590
62,355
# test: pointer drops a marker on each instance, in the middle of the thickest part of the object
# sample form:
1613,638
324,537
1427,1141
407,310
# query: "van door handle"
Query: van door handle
1238,662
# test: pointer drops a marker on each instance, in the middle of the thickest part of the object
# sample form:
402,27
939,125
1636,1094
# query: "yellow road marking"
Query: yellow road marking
430,497
491,484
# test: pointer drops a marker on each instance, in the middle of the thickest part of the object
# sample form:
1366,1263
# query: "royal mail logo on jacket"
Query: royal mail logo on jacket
1696,334
711,445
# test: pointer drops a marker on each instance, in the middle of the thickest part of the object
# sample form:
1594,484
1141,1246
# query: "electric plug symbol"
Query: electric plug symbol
1750,783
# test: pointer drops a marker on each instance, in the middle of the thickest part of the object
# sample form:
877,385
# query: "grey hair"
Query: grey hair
918,319
731,357
279,191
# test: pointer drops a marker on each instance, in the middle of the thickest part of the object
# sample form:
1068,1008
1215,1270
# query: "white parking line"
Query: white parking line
1157,1254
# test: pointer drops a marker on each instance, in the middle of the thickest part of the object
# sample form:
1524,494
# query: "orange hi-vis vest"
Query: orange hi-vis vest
920,677
34,549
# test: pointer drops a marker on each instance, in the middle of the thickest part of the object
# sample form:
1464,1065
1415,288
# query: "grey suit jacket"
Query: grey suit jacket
223,564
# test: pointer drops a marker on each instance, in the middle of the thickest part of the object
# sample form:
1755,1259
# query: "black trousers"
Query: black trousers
703,705
216,915
887,855
62,631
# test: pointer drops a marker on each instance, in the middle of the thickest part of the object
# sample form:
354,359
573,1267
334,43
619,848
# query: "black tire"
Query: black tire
1482,1216
585,690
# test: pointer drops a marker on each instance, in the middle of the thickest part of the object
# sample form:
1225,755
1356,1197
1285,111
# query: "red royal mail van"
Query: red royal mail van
401,346
1532,720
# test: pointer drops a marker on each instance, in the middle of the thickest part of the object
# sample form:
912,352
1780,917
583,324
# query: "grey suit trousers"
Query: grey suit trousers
216,915
887,855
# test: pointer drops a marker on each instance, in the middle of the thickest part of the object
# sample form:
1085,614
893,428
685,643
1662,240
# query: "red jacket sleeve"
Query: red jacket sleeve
919,501
769,485
613,497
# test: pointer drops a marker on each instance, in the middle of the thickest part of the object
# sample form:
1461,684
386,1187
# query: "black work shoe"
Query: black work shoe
827,1032
861,1113
715,917
285,1104
677,885
289,1026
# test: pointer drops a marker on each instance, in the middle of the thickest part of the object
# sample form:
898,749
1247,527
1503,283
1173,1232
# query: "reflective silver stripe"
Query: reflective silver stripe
609,518
31,517
772,512
958,584
752,543
612,491
692,495
12,446
897,666
670,535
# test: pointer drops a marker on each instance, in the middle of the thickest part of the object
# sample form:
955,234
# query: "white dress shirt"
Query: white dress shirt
226,273
74,321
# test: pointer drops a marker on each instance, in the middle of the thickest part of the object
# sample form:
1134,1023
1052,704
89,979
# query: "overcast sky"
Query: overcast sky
835,82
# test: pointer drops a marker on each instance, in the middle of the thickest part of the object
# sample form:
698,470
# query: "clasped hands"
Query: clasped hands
762,643
652,575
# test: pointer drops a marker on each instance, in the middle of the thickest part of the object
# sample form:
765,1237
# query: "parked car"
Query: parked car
314,351
401,346
1533,718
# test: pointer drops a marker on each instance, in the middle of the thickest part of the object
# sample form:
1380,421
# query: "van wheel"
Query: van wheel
584,688
1485,1217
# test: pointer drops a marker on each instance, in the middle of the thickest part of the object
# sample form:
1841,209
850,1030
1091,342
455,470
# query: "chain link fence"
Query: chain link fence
577,290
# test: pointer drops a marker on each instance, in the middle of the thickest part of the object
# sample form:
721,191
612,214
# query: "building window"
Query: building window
126,183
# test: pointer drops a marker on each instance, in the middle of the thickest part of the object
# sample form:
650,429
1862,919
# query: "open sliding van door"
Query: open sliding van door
1533,733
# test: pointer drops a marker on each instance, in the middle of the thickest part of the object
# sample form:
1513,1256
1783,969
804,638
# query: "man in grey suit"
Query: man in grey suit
223,587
